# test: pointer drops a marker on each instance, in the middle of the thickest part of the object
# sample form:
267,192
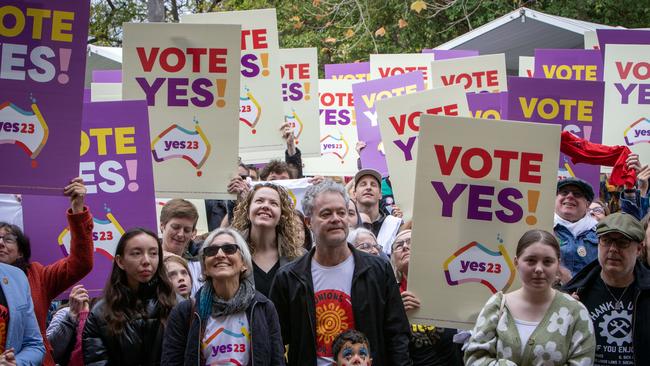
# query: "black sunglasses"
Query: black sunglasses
228,249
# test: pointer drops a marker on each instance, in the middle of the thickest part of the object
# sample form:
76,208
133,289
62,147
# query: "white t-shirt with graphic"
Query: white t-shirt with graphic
227,340
332,288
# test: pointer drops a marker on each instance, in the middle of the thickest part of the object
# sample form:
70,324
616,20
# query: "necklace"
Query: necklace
618,303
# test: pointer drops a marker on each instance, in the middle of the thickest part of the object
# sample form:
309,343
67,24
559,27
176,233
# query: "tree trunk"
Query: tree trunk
156,10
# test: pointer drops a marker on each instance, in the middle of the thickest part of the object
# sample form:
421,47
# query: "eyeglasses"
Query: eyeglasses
596,210
620,243
368,246
576,193
212,250
400,245
8,239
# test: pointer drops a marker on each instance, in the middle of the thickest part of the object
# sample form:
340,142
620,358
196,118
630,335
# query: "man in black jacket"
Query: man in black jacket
615,289
335,287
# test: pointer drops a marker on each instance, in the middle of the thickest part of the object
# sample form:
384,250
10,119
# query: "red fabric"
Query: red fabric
402,285
583,151
47,282
77,356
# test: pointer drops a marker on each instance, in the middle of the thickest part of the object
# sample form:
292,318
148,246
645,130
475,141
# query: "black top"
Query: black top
612,325
263,279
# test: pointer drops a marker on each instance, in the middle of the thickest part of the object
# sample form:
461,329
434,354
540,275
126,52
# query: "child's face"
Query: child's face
354,354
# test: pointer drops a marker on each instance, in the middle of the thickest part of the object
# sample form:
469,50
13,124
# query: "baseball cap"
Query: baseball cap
584,186
363,172
623,223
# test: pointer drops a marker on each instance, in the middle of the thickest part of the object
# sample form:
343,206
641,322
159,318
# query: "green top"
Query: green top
565,336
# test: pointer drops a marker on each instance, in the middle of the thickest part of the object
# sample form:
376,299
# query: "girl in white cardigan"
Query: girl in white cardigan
534,325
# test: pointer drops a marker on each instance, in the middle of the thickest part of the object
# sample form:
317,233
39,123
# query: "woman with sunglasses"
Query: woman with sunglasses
266,219
428,345
227,321
126,326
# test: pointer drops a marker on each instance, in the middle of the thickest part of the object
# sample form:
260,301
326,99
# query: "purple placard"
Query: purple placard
117,169
366,94
352,71
87,95
548,101
447,54
42,72
569,64
107,76
621,36
486,105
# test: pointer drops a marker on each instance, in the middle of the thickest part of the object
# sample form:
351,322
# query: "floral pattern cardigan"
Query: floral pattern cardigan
565,336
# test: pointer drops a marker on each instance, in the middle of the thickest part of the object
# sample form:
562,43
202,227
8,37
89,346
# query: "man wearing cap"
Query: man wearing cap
572,226
615,289
367,195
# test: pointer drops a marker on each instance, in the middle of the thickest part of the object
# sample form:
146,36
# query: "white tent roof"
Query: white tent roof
520,32
113,53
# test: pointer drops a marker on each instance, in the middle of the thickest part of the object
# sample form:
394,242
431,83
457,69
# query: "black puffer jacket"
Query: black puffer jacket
138,344
182,336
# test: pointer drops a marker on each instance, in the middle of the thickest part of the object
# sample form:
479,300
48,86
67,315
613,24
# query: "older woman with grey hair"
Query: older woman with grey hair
364,240
227,321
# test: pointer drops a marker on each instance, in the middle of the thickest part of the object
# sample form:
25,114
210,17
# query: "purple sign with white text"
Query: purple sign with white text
42,64
366,94
117,170
576,105
352,71
569,64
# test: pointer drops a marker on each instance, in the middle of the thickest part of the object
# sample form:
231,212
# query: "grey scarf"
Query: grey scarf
238,303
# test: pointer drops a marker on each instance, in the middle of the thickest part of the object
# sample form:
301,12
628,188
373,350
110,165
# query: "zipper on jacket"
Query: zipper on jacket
250,331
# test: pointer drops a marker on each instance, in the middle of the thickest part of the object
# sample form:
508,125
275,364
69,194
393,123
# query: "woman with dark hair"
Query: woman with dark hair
126,326
535,324
48,282
267,221
227,322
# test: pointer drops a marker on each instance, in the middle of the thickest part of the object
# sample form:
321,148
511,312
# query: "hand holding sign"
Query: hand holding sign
76,190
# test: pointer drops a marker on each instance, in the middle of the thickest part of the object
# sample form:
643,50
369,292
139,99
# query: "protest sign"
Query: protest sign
385,65
367,94
591,40
105,92
526,66
575,105
299,72
487,105
621,36
42,59
191,84
107,76
447,54
476,74
11,210
352,71
116,168
338,131
569,64
399,120
261,111
627,98
477,193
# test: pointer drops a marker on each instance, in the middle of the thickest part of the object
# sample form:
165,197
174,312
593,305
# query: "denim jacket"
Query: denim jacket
23,333
576,253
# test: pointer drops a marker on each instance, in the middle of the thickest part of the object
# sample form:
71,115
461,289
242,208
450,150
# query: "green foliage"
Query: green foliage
350,30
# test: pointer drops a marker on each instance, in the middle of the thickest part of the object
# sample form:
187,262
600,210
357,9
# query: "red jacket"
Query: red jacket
47,282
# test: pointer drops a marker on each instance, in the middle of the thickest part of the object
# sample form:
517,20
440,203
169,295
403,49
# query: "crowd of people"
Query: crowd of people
327,284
